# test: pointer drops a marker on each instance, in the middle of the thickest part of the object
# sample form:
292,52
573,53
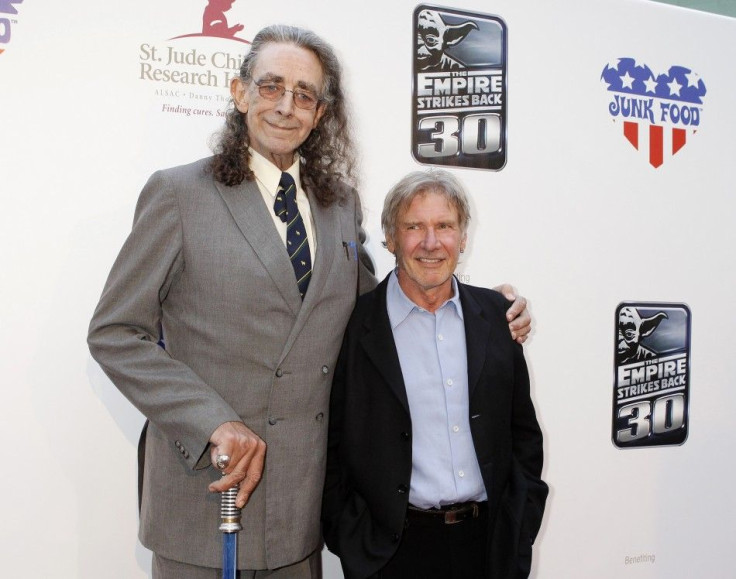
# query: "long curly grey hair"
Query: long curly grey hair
328,155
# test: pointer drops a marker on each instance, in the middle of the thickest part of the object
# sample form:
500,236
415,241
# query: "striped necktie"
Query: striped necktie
297,244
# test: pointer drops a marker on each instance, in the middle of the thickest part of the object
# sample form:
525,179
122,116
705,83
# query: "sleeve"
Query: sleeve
366,269
125,330
334,494
527,449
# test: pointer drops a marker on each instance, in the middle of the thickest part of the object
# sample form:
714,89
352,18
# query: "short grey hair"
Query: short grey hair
417,183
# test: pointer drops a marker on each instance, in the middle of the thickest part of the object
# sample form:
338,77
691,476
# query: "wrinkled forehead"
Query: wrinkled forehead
280,61
429,22
419,200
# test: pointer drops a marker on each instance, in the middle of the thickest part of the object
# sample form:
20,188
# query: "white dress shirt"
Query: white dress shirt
268,176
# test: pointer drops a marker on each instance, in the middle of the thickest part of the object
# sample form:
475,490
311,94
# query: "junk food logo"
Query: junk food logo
8,12
657,113
459,95
651,375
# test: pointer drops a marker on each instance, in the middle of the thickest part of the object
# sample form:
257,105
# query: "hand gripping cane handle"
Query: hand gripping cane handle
229,513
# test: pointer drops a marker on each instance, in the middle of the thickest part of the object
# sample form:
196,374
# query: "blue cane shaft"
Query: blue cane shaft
230,525
229,555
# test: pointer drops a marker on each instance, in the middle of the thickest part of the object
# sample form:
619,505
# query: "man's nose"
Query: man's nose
285,105
430,240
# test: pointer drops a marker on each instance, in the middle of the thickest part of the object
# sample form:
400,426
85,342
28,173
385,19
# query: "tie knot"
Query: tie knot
287,185
285,203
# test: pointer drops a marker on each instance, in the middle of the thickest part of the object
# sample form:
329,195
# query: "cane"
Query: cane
230,525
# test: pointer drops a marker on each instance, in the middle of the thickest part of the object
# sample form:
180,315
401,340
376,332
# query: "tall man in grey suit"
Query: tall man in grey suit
434,451
251,324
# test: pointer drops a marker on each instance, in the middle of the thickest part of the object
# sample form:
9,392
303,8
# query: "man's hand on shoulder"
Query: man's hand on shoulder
247,454
520,321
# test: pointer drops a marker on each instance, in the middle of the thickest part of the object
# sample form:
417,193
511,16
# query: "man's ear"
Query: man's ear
390,245
321,108
238,90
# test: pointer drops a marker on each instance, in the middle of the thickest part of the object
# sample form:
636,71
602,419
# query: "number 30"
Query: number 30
481,134
668,415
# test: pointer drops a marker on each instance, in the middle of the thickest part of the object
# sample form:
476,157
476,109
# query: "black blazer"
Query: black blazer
369,449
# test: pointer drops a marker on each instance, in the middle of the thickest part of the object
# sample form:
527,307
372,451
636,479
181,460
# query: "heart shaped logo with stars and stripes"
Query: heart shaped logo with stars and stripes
658,113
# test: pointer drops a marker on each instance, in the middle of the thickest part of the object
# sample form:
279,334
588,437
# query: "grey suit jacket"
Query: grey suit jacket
205,264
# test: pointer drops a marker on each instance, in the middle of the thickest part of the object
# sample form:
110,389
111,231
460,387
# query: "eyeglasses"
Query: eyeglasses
272,91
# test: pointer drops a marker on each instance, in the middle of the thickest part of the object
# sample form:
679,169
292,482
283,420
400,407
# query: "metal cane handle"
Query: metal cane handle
229,514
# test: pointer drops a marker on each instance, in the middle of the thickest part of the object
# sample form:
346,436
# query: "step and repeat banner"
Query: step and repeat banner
596,140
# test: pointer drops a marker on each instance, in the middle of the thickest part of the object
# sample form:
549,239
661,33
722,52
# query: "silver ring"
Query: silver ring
221,461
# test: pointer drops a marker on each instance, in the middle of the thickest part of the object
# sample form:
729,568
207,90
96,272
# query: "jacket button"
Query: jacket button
402,489
272,421
325,369
177,444
186,454
319,417
395,537
279,373
405,436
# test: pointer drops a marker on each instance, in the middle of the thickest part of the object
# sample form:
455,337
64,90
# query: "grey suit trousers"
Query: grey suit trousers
309,568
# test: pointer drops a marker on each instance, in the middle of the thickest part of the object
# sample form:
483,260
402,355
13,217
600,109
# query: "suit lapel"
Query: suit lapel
379,345
477,335
256,224
326,232
254,220
327,229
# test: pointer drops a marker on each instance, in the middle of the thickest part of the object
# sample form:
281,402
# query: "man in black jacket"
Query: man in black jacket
434,452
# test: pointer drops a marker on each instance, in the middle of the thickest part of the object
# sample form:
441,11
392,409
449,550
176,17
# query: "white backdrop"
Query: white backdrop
577,220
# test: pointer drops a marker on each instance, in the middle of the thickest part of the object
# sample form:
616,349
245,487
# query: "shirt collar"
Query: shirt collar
399,306
268,174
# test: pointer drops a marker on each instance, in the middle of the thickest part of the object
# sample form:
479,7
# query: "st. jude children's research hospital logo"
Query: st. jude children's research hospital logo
190,71
459,96
7,20
657,113
214,22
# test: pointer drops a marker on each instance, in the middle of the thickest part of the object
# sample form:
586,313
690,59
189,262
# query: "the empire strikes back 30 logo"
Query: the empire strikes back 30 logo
459,96
657,113
651,375
7,21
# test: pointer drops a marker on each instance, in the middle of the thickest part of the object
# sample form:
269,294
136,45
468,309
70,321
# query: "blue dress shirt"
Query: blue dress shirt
434,364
